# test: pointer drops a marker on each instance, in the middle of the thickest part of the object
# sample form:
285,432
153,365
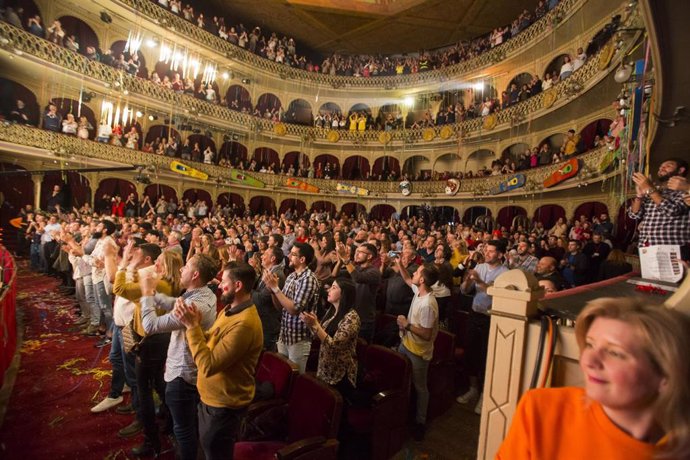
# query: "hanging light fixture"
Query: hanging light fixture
623,73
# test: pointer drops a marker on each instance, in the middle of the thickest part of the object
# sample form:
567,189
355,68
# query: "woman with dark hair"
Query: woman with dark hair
338,331
614,265
323,250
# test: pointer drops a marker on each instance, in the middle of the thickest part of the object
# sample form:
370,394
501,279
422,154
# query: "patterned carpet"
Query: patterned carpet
60,377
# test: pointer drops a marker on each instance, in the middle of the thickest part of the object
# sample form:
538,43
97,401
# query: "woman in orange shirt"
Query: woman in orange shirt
636,399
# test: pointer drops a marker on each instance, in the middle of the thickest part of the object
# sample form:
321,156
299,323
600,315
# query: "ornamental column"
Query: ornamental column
37,179
515,295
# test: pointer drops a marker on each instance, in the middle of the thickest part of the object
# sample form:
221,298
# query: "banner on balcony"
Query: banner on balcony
301,185
182,168
452,187
568,170
513,182
351,189
240,177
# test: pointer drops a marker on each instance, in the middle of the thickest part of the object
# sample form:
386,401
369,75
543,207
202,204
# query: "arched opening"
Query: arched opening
83,34
118,48
233,152
299,112
109,188
359,107
262,205
479,161
238,98
514,151
65,106
297,207
471,214
590,210
156,191
204,141
353,209
487,91
265,157
390,117
417,167
555,65
11,93
356,167
323,206
76,188
298,161
381,212
549,214
195,194
594,131
160,132
447,164
386,167
232,200
330,108
17,191
554,141
326,165
268,105
507,215
520,79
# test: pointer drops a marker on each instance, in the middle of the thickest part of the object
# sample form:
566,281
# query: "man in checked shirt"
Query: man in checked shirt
663,214
300,294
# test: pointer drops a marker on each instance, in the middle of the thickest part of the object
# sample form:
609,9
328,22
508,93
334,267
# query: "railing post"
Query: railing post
515,294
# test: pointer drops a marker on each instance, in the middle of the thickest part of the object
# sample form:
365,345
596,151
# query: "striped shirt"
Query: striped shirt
303,290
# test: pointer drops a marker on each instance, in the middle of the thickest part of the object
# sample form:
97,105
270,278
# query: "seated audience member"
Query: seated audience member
575,265
546,270
634,404
338,331
614,265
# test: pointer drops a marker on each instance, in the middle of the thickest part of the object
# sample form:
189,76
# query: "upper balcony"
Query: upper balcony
526,39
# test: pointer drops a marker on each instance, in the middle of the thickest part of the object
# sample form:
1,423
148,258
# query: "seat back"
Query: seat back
278,370
386,369
444,347
314,409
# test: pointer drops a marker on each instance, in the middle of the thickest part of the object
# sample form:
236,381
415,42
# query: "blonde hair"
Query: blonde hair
172,264
664,335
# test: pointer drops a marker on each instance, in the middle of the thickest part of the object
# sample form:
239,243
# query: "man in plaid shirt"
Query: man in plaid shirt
664,216
300,294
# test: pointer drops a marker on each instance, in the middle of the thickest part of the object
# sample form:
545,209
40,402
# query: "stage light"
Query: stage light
479,86
408,101
225,75
138,114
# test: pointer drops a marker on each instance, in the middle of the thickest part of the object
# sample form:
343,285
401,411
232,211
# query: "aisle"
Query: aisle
61,376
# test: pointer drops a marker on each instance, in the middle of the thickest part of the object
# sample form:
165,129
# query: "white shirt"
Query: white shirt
424,313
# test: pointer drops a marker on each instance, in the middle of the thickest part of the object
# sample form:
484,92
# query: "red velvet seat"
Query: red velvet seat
387,375
313,417
280,371
441,377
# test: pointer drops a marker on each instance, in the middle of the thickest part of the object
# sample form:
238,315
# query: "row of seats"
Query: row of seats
306,419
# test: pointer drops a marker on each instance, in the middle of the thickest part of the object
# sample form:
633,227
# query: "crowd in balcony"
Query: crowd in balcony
284,50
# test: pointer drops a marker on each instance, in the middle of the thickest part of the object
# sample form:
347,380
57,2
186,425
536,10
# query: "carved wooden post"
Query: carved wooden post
515,294
37,180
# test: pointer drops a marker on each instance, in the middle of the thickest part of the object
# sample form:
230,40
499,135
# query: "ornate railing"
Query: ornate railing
70,148
581,80
538,30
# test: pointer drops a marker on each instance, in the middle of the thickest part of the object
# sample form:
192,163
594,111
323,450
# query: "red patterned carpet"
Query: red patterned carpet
61,376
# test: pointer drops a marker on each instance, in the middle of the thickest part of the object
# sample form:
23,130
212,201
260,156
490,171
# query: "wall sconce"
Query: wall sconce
623,73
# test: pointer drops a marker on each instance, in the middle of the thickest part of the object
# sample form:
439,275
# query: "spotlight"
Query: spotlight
246,81
138,114
153,117
152,42
408,101
105,17
196,131
479,86
225,75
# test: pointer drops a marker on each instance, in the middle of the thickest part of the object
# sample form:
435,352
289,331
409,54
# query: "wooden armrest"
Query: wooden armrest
298,448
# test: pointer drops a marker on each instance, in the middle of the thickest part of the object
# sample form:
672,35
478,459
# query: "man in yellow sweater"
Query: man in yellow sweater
226,359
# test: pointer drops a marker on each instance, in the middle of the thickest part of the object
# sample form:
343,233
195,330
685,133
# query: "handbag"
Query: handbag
131,340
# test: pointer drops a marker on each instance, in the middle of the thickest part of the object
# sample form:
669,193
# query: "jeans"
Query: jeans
298,353
90,293
420,369
182,400
80,294
116,357
35,255
218,427
105,303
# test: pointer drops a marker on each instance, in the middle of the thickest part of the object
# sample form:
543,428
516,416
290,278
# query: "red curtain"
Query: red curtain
194,194
81,30
548,214
381,212
356,167
297,206
321,206
506,215
387,164
473,212
353,209
590,209
262,205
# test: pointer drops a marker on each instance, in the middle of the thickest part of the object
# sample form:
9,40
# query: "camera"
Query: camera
393,254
